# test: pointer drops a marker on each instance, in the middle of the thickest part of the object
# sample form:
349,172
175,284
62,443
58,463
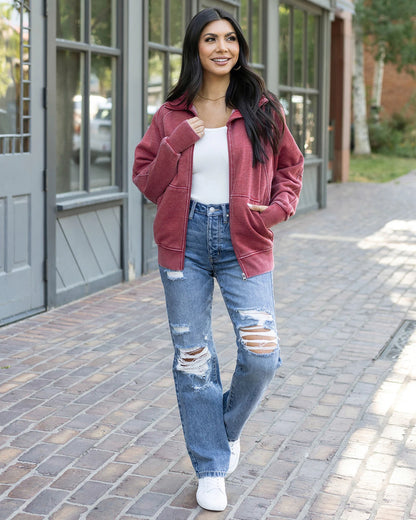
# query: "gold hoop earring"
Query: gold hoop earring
237,68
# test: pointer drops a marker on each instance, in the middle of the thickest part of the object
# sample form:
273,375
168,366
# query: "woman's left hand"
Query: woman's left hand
257,207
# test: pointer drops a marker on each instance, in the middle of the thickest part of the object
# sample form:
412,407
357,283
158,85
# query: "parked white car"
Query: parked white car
101,132
100,127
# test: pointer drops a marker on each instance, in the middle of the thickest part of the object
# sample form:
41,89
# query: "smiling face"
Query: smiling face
218,48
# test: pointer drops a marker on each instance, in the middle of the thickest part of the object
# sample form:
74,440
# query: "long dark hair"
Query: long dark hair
244,92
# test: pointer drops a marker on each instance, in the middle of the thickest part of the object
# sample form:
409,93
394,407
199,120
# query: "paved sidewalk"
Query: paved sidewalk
89,427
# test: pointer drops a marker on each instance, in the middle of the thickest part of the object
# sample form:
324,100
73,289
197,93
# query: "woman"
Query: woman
222,168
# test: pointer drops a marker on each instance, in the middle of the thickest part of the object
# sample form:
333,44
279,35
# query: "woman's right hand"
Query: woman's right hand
197,125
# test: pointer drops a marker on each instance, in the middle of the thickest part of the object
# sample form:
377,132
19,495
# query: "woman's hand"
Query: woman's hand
257,207
197,125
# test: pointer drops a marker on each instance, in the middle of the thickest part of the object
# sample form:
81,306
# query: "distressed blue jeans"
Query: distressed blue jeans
211,418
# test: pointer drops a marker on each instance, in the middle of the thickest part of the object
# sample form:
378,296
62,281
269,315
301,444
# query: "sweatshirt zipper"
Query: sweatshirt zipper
188,196
243,274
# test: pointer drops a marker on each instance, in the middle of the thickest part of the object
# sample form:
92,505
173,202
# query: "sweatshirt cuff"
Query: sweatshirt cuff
182,137
273,215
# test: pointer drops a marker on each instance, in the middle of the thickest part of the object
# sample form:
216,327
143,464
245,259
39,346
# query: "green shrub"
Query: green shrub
400,122
395,135
407,147
384,138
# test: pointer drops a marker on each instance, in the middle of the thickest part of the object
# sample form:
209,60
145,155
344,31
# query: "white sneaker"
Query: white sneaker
211,493
234,457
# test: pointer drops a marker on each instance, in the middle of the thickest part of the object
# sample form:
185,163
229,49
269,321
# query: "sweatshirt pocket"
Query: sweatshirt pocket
257,222
171,219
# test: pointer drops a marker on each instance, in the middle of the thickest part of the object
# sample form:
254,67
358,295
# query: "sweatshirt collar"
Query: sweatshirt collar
181,104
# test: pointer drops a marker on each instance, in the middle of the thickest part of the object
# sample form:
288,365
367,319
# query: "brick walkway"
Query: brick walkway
89,427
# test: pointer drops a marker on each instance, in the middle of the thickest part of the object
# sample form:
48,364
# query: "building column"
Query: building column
340,103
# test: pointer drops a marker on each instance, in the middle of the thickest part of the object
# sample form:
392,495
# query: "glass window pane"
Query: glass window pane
258,70
297,119
15,92
69,18
312,47
26,13
284,44
175,62
257,31
101,116
70,114
155,87
285,101
310,131
177,22
26,125
103,22
244,17
298,58
10,73
156,21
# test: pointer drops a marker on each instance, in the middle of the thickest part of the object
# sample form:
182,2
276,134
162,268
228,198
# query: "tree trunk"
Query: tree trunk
361,138
377,85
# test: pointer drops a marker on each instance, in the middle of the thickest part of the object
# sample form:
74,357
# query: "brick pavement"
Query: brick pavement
89,427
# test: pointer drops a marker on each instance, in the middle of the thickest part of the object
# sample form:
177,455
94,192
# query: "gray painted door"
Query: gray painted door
21,166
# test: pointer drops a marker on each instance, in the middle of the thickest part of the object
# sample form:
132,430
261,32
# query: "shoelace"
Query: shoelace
233,445
214,483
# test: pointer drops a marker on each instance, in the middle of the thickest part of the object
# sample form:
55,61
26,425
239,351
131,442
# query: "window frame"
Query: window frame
165,48
88,196
304,91
258,67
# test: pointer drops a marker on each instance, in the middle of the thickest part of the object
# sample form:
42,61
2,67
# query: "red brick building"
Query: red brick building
398,87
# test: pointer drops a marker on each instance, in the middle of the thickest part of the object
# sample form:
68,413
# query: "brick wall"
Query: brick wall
397,87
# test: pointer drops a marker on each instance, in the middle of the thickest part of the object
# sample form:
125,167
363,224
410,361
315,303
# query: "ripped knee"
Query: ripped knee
174,275
194,360
258,339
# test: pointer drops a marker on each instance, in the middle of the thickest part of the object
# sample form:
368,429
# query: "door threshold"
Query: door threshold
21,316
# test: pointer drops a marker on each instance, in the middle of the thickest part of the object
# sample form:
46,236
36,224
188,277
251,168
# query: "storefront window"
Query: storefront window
177,23
256,43
69,20
101,120
310,131
155,83
312,46
156,20
166,31
175,63
103,22
251,21
244,16
86,95
297,117
15,77
298,55
299,73
70,121
284,44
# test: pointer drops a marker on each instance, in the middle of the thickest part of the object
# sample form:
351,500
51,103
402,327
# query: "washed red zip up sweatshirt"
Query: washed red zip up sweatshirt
162,171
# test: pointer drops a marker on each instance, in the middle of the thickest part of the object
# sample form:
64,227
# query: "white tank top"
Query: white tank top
210,173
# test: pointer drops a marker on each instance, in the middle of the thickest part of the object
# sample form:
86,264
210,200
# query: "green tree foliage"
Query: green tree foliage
389,26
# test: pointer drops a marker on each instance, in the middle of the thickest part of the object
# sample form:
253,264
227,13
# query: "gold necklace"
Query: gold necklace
209,99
